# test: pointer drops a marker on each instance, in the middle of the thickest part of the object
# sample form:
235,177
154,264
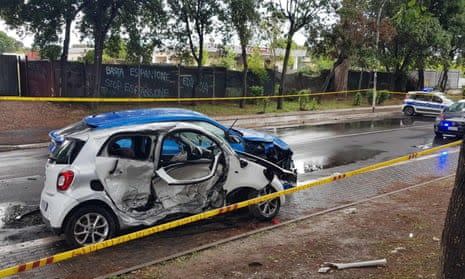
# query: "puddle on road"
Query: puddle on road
295,134
341,158
10,211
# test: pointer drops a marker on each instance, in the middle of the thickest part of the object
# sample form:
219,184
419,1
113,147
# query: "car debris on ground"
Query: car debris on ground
326,267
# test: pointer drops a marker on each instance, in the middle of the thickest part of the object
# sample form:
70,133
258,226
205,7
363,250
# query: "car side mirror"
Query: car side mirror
176,182
233,138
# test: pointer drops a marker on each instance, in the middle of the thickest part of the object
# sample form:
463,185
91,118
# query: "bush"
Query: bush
381,96
255,91
357,99
304,99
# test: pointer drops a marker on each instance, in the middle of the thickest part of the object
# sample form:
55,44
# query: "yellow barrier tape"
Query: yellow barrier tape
161,100
211,213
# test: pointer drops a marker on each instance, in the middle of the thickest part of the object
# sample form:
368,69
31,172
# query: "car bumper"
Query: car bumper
54,208
449,128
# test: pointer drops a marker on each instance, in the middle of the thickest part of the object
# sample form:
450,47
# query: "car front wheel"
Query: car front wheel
89,225
267,210
409,111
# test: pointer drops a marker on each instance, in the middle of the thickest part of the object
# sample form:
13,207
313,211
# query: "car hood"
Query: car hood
253,135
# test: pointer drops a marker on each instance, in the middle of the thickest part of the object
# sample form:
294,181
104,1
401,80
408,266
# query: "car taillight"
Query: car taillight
65,179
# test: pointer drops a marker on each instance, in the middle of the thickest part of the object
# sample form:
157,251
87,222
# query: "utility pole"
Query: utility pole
375,74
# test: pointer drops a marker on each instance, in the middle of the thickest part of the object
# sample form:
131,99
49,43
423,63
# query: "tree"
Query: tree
451,16
453,235
298,14
45,19
8,44
101,16
193,20
242,16
349,41
50,52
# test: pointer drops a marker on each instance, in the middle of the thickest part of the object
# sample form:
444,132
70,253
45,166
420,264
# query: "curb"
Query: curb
269,228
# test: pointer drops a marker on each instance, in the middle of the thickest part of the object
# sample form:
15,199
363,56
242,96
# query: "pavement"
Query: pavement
172,242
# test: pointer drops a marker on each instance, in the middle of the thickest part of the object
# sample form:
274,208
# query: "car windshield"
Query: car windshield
211,128
456,107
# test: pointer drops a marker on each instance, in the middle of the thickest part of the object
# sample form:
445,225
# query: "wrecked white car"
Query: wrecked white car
99,181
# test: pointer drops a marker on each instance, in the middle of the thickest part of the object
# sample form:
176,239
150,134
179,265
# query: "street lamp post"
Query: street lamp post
375,74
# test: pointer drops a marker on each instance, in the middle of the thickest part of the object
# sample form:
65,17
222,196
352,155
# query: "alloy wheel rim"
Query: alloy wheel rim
91,228
269,207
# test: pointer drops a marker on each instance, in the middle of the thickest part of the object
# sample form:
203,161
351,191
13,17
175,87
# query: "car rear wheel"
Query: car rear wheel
267,210
89,225
409,111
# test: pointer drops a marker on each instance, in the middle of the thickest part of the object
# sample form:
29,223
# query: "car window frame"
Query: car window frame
153,142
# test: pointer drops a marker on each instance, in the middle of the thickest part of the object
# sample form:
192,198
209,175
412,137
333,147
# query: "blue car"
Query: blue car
244,141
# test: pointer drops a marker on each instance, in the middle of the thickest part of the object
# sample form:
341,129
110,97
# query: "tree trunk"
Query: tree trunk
341,73
64,59
444,78
98,53
421,78
360,79
453,235
283,73
244,75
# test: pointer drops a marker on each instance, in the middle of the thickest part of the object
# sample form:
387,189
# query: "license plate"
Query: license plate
44,205
452,128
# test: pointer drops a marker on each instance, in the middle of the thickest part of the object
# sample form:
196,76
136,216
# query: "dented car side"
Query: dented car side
140,175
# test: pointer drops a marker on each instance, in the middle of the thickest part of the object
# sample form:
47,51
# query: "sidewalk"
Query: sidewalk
10,139
404,228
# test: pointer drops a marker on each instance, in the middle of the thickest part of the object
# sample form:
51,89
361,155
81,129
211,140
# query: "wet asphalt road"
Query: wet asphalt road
319,151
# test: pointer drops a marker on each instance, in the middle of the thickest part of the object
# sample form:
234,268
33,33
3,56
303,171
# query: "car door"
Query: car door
191,170
125,167
438,104
423,103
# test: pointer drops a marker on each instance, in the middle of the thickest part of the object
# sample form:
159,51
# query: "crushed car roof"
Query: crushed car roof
143,116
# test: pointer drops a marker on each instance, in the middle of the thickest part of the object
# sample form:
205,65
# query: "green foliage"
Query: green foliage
257,65
255,91
228,60
304,99
381,96
192,21
50,52
8,44
116,48
358,99
205,58
89,58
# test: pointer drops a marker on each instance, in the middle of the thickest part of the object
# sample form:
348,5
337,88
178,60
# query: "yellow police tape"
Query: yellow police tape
162,100
208,214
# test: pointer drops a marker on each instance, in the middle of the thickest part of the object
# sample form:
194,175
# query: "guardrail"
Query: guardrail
211,213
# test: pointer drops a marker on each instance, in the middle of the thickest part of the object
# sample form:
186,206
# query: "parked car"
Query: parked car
451,121
419,102
108,176
260,144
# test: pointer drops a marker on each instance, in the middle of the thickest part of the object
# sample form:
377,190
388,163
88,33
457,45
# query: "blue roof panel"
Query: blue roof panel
143,116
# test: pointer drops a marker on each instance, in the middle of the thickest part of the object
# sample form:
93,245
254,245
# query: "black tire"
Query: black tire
258,211
72,225
409,111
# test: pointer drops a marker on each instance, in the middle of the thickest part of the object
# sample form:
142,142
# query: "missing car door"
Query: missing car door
191,171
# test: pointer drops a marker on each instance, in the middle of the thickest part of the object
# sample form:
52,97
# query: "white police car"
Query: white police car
421,102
